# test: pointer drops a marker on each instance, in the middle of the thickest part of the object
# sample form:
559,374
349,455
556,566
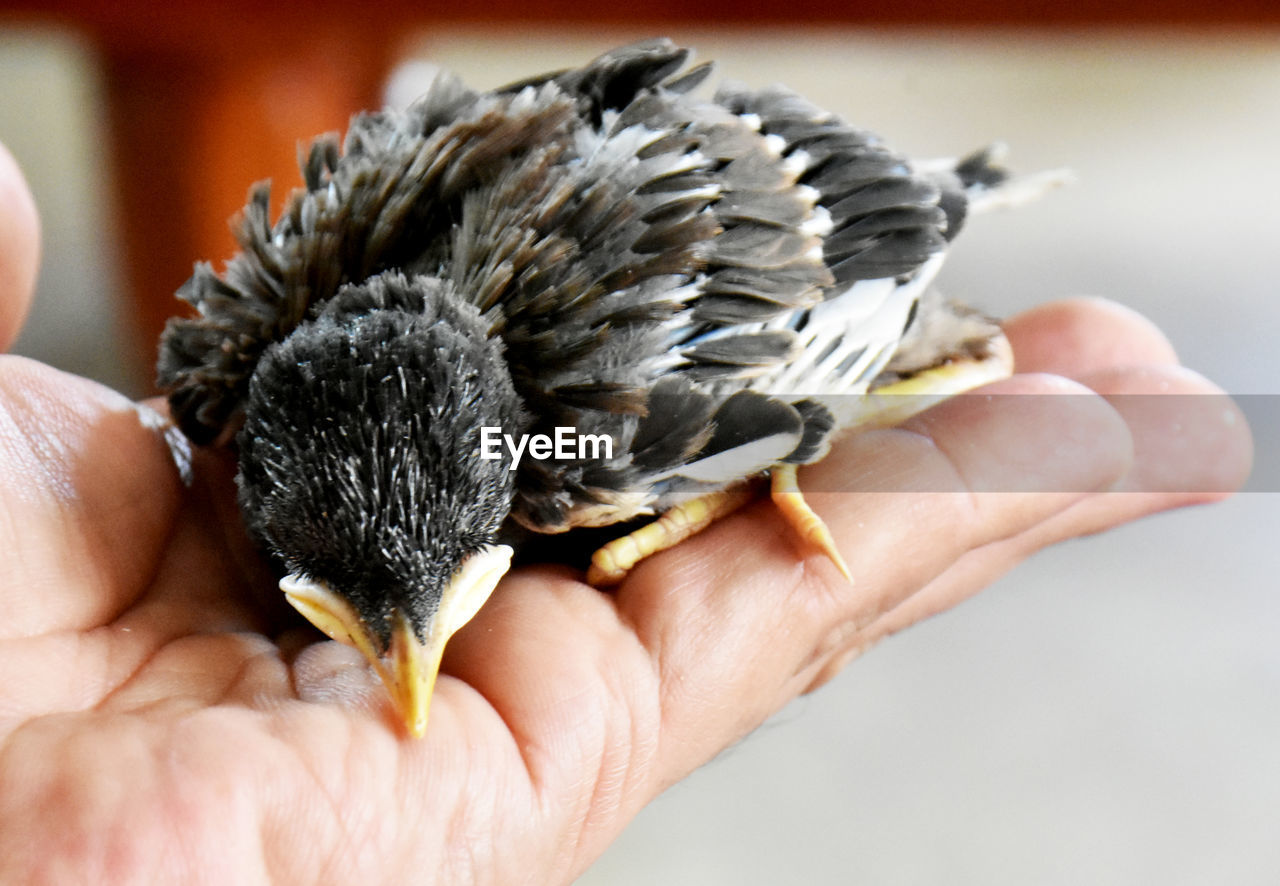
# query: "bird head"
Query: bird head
360,471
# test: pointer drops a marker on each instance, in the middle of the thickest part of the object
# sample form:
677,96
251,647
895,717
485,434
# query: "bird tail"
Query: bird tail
989,185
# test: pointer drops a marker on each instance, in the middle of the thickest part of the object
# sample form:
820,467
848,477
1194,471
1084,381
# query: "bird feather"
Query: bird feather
682,274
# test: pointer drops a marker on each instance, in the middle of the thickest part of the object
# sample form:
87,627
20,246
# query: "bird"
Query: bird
591,298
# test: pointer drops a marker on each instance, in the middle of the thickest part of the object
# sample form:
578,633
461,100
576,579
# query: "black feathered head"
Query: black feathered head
361,472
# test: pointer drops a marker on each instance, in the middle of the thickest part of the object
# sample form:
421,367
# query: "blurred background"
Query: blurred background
1110,712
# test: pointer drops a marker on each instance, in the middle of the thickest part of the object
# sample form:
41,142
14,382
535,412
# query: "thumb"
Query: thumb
19,248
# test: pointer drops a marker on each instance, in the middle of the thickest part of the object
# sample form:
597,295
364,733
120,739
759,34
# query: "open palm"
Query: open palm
165,717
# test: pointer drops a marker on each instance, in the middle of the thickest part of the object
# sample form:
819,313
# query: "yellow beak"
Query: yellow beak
411,662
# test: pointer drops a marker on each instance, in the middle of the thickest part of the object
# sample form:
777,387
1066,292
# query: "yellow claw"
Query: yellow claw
611,563
786,495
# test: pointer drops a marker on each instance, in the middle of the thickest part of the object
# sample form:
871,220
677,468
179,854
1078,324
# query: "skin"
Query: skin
165,718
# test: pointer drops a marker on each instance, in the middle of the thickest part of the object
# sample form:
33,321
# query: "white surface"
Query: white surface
1110,713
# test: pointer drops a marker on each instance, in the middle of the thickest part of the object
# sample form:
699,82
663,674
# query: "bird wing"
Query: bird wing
715,263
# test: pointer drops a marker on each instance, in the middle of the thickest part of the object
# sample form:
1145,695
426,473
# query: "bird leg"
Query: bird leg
888,405
883,407
611,563
785,492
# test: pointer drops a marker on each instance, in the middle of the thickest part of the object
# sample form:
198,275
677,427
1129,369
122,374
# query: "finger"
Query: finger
1080,336
1195,441
88,489
19,248
1191,446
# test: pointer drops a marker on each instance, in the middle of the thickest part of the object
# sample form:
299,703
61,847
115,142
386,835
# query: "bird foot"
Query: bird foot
611,563
786,495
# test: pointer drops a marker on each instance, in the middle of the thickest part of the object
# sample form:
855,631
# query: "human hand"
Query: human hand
164,716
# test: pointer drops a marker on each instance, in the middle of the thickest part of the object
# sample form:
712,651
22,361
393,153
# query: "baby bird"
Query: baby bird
659,295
